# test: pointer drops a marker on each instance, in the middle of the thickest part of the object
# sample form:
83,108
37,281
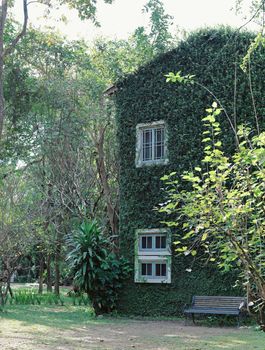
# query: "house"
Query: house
159,131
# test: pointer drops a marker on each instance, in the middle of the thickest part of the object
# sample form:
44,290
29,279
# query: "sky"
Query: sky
124,16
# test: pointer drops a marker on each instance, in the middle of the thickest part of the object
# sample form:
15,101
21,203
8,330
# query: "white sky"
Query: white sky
124,16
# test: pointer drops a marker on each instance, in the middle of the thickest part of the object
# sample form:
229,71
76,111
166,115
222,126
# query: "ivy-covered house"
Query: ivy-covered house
159,131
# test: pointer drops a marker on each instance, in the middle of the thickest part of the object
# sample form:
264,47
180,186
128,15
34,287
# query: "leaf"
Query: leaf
214,104
204,237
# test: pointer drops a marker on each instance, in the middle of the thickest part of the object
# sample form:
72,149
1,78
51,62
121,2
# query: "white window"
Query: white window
153,269
151,144
153,256
152,242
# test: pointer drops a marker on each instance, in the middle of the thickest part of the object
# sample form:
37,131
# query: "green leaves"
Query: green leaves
97,270
259,40
223,213
178,78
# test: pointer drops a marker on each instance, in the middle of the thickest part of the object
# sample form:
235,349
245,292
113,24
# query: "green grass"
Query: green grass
61,317
28,295
27,325
69,327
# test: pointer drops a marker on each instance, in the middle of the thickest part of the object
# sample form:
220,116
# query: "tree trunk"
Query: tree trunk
49,277
41,271
10,292
57,260
3,14
2,300
7,51
4,289
111,208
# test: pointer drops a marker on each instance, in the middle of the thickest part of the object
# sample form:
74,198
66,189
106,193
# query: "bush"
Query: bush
97,269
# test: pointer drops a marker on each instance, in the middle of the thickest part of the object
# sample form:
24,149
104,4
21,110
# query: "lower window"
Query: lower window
154,269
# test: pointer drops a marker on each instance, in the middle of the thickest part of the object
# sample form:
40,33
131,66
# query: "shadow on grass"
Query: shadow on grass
62,317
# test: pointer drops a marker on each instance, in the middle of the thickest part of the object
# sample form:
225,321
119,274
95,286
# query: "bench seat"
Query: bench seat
216,305
213,311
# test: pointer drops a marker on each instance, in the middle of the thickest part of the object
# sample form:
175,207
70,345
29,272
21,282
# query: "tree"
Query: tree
160,23
60,132
86,10
17,228
256,13
222,216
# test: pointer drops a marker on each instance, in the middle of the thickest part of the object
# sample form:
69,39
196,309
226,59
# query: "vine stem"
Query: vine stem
223,108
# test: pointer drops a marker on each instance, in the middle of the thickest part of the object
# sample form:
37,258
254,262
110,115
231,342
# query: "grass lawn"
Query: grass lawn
65,326
39,327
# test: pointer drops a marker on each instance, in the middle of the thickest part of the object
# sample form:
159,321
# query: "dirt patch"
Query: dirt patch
141,335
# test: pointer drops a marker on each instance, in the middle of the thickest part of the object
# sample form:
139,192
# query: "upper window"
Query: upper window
151,144
152,242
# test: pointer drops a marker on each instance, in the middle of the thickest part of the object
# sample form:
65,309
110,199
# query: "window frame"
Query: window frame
153,256
153,233
139,162
153,263
153,250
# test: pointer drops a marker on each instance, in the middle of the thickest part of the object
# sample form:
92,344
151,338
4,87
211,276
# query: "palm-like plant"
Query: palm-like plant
97,270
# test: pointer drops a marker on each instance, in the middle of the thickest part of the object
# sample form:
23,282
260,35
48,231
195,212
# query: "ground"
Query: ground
69,327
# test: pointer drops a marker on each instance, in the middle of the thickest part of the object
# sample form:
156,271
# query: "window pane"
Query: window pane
158,135
149,269
163,269
146,269
163,242
143,242
147,141
147,134
149,242
143,269
158,270
158,242
159,143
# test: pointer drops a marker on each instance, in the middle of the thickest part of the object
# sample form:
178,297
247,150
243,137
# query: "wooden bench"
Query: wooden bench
216,305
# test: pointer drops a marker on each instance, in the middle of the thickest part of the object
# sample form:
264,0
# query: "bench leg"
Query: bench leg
238,320
193,319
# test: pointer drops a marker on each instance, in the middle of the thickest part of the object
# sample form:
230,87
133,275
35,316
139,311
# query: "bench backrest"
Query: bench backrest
219,302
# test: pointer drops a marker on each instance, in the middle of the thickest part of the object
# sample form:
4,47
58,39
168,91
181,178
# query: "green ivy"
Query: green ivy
213,56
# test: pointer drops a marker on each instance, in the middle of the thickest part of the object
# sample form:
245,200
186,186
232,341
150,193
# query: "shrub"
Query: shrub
97,269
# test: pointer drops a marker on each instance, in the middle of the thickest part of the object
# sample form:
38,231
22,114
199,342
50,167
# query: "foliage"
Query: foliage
259,40
59,133
222,214
30,296
97,270
160,23
15,217
86,8
213,56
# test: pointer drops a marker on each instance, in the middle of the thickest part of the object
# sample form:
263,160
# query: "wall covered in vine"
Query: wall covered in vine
213,56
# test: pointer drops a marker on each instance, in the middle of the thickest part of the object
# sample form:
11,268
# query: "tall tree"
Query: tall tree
160,23
86,10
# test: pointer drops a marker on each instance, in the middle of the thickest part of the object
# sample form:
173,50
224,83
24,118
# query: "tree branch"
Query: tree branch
13,44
